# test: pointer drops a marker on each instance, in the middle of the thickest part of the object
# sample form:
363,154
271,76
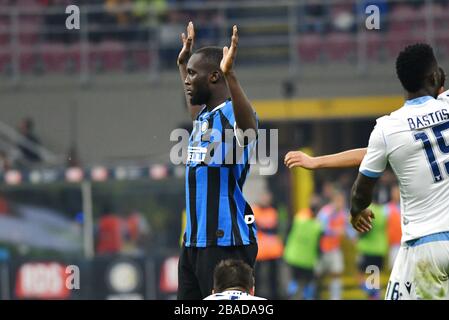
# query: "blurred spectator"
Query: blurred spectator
5,163
333,218
302,251
4,207
315,17
119,9
26,129
150,12
372,247
121,12
394,224
384,187
138,231
169,37
327,191
72,158
207,28
111,232
270,244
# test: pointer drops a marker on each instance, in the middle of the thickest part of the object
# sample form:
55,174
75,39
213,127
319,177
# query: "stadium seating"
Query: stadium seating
310,47
336,41
340,46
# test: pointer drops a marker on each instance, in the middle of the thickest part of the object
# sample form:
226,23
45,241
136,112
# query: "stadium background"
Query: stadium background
104,99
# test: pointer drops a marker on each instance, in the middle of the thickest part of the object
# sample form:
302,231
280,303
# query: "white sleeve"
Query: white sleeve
375,160
444,97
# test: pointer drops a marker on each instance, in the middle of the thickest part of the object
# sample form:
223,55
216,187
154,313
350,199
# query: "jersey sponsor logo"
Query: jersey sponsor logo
196,154
204,126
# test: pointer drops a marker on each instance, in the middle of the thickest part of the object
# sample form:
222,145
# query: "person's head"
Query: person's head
204,75
315,204
338,199
417,70
233,274
327,190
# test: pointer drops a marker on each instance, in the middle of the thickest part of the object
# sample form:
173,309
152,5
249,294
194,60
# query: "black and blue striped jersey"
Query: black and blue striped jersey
216,170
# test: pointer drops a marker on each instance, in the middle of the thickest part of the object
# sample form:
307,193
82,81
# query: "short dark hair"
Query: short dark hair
233,273
414,64
211,56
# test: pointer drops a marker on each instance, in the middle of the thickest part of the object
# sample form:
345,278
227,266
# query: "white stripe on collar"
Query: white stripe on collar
220,106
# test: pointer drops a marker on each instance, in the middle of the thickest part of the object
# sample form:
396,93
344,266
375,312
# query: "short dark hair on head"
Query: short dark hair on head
211,56
414,65
233,274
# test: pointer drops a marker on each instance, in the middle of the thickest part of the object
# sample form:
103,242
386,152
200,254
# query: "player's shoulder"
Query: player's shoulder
226,106
391,120
444,97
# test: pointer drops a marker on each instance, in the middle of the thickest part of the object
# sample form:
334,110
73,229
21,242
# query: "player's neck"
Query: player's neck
417,94
216,100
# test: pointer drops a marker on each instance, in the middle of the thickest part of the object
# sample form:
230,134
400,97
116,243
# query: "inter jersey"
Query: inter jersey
218,164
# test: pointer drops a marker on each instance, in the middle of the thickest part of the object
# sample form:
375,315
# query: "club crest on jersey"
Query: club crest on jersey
204,126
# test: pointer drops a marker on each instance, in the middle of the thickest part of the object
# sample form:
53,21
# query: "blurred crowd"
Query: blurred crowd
127,34
117,233
23,150
319,248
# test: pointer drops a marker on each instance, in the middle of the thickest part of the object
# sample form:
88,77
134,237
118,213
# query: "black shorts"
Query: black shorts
196,267
366,260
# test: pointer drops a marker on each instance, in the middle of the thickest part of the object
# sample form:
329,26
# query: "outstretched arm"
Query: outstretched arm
243,111
346,159
183,58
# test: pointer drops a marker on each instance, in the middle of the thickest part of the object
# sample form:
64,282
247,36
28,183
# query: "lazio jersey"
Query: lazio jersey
414,140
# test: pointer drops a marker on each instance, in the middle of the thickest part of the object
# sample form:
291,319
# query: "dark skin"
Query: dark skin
362,190
212,85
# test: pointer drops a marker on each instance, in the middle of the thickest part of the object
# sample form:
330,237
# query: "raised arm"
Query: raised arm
183,58
243,111
346,159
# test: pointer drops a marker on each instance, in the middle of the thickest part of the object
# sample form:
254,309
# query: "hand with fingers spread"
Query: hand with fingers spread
229,54
187,45
362,222
300,159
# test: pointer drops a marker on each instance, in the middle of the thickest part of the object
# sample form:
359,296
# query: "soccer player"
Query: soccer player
220,223
233,280
412,140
